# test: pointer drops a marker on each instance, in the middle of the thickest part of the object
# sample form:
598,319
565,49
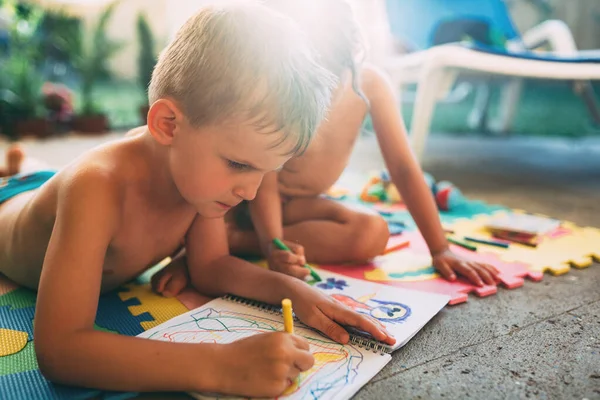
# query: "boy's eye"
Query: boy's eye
237,166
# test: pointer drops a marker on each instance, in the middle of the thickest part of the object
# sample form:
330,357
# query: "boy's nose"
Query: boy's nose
247,191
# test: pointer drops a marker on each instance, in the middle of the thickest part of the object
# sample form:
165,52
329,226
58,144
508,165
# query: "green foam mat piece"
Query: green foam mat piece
18,298
22,361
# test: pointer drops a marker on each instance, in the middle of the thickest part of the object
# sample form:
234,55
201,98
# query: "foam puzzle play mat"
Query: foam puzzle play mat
535,245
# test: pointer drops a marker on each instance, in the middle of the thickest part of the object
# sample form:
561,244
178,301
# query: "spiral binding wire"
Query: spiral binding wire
365,343
268,308
369,344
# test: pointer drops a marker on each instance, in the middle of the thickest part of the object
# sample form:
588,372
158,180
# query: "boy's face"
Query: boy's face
217,167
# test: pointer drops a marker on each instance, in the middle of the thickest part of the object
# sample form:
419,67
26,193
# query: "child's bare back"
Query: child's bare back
332,146
149,228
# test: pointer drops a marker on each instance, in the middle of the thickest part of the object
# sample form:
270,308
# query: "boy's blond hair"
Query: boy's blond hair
332,30
244,61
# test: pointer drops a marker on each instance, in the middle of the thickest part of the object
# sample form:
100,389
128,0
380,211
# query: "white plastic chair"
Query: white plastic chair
436,68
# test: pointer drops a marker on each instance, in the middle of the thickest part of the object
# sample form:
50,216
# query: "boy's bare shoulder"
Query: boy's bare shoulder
106,171
89,188
373,80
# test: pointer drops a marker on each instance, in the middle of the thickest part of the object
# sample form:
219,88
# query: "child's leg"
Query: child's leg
332,233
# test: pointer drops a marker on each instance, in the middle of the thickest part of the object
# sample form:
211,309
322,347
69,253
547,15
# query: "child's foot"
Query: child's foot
14,158
172,279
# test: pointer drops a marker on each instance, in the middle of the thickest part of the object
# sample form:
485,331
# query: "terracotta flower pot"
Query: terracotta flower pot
38,127
90,123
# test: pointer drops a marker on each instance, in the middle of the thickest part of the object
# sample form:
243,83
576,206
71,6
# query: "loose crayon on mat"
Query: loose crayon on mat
281,246
288,318
462,244
516,240
491,242
397,247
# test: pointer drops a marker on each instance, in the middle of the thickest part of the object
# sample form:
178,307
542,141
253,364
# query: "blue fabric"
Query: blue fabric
415,21
17,184
530,55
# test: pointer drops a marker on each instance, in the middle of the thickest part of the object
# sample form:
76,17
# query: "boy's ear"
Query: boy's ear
163,119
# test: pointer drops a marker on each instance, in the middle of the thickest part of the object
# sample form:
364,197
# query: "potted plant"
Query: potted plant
59,35
146,60
21,106
91,65
21,98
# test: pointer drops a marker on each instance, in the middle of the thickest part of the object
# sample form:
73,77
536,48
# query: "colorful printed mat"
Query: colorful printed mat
134,308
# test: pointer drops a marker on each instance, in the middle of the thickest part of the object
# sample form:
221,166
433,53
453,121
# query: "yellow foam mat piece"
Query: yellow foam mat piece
160,308
578,248
11,341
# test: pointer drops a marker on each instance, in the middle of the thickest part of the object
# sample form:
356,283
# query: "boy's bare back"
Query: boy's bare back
150,228
332,146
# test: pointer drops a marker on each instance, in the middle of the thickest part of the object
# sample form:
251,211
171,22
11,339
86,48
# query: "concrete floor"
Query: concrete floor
539,341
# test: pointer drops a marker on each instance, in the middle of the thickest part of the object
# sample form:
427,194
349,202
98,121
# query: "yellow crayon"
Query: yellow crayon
288,319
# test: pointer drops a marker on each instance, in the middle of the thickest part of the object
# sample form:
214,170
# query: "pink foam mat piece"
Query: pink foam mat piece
411,268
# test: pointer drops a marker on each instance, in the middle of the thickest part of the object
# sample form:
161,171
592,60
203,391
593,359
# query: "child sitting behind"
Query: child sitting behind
233,97
290,204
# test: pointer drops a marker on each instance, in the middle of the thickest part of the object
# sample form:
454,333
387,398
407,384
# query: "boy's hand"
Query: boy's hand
264,365
327,315
450,264
289,263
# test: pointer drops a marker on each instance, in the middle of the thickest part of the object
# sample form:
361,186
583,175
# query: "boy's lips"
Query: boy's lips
224,206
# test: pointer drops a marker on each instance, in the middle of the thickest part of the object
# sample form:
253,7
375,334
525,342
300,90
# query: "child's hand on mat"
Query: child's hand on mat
329,315
450,264
289,263
264,365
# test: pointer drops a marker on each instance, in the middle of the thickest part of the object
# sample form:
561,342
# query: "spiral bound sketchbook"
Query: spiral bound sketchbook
339,370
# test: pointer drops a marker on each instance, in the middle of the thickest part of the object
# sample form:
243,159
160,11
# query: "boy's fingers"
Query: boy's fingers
361,322
296,248
303,360
330,328
446,271
159,281
300,342
484,274
469,273
293,374
296,260
296,272
175,285
491,269
284,257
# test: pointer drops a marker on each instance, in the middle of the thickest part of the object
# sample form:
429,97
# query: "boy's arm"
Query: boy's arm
68,348
407,175
404,170
265,211
214,272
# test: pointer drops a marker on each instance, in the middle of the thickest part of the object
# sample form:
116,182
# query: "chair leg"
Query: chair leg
554,32
509,101
586,91
477,119
428,91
